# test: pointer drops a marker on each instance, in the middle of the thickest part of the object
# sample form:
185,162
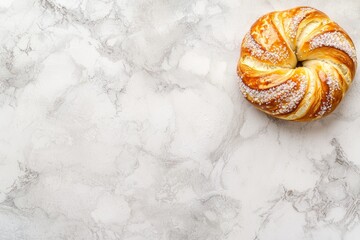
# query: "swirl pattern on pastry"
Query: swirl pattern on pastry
296,64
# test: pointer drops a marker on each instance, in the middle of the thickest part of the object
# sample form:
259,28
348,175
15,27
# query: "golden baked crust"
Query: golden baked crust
279,41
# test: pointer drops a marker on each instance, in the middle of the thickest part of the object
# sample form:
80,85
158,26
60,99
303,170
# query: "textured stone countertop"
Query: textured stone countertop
122,119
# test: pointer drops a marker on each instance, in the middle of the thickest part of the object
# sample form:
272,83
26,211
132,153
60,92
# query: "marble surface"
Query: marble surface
122,119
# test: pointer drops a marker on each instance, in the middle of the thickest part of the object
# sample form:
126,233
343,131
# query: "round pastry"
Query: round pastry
296,64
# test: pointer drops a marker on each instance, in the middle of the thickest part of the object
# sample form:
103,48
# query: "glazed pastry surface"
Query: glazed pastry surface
296,64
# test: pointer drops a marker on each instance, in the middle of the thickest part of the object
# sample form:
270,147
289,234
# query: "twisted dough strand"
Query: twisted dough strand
276,43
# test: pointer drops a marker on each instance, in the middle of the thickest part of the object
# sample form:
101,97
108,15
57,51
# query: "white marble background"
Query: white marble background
122,119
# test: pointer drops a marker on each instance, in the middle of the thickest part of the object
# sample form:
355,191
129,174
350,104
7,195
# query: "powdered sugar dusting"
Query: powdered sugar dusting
295,21
336,40
333,85
276,55
286,96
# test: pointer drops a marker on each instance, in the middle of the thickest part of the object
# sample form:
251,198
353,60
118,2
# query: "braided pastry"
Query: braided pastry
296,64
